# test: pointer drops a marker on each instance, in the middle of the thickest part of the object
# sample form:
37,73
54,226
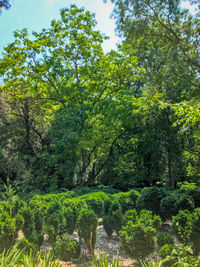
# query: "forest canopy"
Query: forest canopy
74,115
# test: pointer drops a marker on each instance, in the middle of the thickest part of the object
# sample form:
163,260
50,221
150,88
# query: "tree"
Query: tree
165,39
78,91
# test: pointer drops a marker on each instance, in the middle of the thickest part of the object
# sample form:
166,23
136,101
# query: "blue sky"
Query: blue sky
37,14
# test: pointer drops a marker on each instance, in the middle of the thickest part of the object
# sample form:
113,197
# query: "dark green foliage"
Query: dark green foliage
95,201
112,217
150,199
182,224
195,232
87,226
175,201
33,225
26,246
66,249
138,240
193,191
127,200
164,238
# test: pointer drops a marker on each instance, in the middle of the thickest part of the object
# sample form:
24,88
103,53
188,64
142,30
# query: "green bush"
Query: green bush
113,217
138,240
95,201
33,225
138,235
149,199
173,202
87,226
182,224
147,218
164,238
127,200
10,224
193,191
66,249
130,215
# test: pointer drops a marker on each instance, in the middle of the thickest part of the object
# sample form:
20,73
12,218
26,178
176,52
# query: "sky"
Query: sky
37,14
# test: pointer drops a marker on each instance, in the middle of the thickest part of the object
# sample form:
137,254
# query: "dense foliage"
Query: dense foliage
88,135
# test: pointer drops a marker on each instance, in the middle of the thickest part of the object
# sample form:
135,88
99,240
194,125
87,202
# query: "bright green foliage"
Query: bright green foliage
102,261
87,226
130,215
138,236
178,256
95,201
138,240
66,249
164,238
10,223
112,216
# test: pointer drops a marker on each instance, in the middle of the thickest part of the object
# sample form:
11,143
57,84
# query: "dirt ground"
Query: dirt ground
104,244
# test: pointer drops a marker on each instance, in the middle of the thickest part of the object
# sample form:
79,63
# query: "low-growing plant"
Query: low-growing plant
87,226
175,201
10,224
33,225
164,238
26,246
182,224
137,240
102,261
66,249
127,200
95,201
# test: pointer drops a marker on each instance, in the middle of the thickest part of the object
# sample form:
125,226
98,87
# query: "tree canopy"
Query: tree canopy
73,115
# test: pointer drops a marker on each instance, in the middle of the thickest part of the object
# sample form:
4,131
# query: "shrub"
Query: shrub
95,201
147,218
149,199
127,200
10,224
168,206
66,249
33,225
138,240
130,215
138,235
87,226
182,224
173,202
164,238
113,217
